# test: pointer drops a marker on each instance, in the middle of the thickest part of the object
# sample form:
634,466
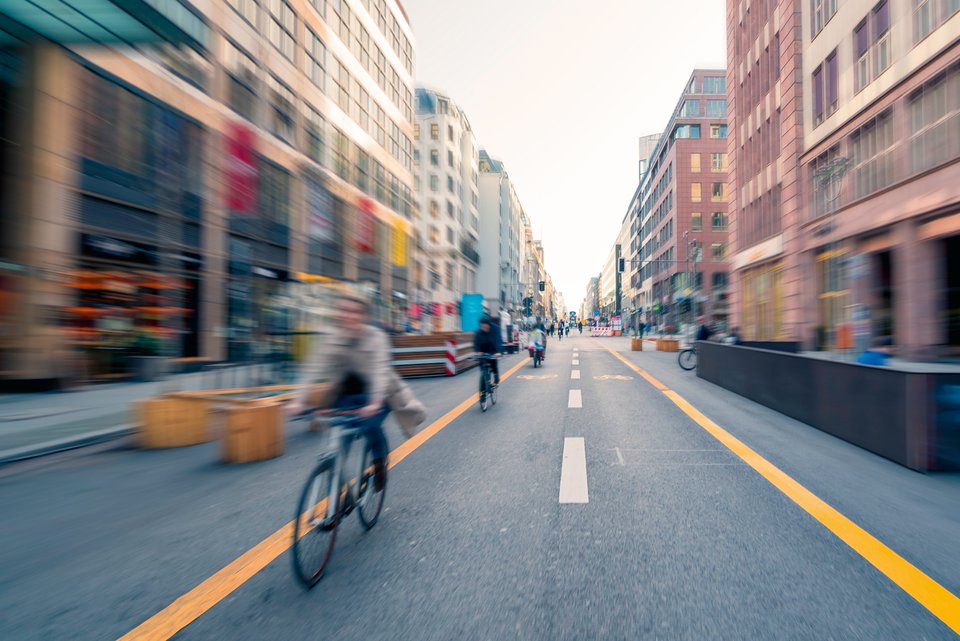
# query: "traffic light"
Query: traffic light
543,285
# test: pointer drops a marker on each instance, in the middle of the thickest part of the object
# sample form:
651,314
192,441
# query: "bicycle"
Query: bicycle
329,497
488,390
687,358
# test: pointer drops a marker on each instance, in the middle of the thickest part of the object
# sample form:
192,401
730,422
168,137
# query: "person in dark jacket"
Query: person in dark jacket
703,331
488,341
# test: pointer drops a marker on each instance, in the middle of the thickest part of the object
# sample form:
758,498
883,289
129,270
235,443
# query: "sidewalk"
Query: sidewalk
37,424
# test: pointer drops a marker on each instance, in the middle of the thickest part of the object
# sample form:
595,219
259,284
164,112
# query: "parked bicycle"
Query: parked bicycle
329,497
488,386
687,358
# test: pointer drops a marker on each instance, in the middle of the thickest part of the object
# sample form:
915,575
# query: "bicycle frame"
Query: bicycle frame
343,439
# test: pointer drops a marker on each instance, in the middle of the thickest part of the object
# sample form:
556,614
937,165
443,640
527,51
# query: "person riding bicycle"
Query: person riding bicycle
356,362
488,342
704,332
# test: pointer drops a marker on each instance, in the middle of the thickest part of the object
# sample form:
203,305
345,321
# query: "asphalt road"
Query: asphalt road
678,538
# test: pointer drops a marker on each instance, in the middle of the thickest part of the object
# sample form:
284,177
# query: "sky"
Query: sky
560,91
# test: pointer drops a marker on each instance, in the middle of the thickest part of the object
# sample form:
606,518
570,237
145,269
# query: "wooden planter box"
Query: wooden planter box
173,422
636,344
668,345
253,432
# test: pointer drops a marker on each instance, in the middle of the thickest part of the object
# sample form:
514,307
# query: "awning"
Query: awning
105,22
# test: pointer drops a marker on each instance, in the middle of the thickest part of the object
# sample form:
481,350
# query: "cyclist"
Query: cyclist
487,342
356,362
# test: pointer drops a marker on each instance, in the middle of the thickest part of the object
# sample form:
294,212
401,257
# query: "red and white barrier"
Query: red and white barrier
451,358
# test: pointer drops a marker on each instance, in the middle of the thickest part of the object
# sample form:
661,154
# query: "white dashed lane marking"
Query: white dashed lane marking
575,401
573,471
575,375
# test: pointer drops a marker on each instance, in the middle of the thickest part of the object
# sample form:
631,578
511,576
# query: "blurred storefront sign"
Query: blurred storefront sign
399,253
320,209
366,229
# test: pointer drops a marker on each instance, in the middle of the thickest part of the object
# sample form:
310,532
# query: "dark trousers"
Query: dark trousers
372,427
494,367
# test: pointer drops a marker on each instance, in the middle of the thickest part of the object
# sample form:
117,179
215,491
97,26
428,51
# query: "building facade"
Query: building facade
879,238
446,160
502,239
846,185
188,187
679,213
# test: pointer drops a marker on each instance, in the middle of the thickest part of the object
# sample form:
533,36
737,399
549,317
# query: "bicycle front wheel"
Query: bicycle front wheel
687,359
370,499
313,533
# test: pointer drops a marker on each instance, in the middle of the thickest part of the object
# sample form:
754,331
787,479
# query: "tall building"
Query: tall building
447,183
184,184
878,242
501,238
845,137
765,95
679,213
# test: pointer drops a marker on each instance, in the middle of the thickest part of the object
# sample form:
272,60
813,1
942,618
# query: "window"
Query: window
715,85
248,9
696,221
450,186
935,122
718,131
434,132
316,128
691,108
416,157
871,44
281,109
825,182
872,163
818,108
821,12
718,161
316,60
450,209
450,133
434,158
416,132
695,162
718,221
449,158
686,131
243,80
451,270
281,27
718,192
434,182
435,239
833,83
434,209
719,280
922,19
695,192
716,108
718,251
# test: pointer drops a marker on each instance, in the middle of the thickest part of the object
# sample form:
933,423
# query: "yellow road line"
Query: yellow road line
942,603
190,606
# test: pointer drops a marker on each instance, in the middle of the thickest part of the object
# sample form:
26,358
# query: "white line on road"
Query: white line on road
575,400
573,471
575,375
619,456
576,361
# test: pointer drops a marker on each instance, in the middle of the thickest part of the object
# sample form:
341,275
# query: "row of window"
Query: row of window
714,108
709,85
718,221
876,159
718,192
718,162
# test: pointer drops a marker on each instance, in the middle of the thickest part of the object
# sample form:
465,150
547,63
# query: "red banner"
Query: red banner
366,226
451,309
241,170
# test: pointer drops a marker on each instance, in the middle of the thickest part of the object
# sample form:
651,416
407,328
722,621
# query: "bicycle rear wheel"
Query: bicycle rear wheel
687,359
313,534
369,499
493,394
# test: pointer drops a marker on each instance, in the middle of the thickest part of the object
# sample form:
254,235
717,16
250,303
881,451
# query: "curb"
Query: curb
64,444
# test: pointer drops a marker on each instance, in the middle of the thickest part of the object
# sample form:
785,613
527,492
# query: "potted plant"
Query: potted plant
147,362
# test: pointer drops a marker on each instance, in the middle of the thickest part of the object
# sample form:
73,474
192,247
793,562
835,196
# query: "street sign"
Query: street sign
471,311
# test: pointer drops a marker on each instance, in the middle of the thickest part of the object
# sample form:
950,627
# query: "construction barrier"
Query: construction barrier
443,354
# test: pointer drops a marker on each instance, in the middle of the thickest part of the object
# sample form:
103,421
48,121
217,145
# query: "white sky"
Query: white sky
561,90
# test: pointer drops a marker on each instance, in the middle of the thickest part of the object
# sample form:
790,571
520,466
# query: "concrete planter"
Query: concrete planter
146,369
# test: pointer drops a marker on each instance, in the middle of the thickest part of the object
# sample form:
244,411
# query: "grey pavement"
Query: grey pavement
35,424
679,540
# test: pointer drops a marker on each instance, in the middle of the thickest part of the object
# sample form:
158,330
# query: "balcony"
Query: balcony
469,251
